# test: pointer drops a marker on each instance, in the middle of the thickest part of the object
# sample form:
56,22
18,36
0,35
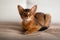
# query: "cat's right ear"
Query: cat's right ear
20,9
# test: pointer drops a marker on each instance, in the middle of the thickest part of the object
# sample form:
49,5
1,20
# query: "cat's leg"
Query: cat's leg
32,30
23,29
47,20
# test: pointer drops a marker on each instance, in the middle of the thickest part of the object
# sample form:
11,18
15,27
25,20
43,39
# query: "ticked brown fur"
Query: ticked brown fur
32,21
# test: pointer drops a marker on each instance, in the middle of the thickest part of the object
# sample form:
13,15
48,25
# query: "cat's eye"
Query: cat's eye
24,14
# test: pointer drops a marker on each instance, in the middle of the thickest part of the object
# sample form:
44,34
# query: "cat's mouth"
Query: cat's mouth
27,19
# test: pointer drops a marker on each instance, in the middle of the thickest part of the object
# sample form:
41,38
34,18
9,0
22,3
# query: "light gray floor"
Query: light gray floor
12,31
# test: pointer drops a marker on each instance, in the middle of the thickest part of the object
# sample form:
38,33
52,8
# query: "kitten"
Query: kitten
32,21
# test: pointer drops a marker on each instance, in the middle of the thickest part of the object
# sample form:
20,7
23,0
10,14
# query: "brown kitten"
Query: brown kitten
32,21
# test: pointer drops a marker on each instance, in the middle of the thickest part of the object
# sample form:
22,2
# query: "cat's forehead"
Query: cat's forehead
26,10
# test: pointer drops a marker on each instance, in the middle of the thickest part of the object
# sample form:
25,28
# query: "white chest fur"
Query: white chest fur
27,20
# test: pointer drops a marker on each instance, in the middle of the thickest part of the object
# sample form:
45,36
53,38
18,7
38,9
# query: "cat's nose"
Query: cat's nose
26,17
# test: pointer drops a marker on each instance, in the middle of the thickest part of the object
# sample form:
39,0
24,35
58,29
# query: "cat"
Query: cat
33,21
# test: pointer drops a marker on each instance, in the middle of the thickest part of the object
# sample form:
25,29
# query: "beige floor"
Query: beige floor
12,31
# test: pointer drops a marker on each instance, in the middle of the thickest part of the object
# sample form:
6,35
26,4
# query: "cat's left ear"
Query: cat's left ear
33,9
20,9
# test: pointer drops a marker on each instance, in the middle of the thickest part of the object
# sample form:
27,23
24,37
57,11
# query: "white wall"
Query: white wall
52,7
9,12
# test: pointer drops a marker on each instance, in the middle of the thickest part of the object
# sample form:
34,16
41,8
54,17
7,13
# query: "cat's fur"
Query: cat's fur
32,21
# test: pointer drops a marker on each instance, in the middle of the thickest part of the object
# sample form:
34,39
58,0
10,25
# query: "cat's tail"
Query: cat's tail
43,28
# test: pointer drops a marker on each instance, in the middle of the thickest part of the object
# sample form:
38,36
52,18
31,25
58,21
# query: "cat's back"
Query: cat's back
39,15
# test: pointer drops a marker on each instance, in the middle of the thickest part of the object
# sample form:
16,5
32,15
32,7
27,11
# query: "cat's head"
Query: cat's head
27,13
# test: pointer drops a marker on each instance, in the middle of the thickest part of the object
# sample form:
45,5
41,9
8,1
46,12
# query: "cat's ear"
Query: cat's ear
20,9
33,9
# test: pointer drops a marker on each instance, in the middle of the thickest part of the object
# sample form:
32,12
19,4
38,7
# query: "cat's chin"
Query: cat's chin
27,20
